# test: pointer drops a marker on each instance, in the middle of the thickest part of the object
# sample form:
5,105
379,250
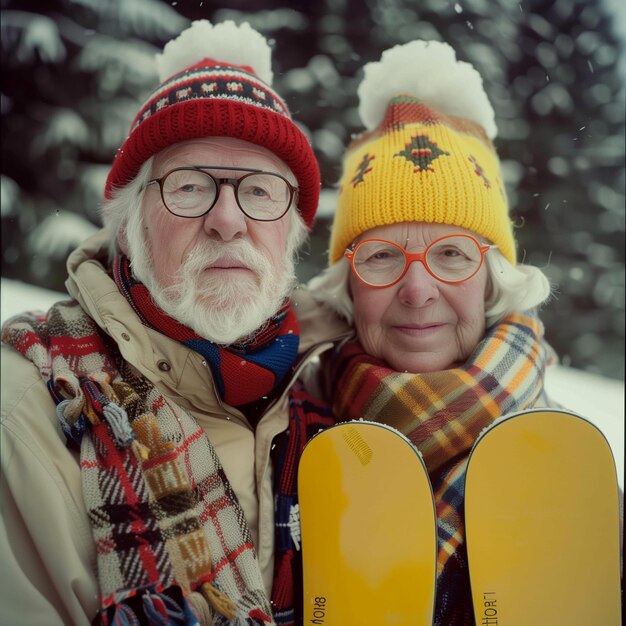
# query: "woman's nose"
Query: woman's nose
418,287
226,220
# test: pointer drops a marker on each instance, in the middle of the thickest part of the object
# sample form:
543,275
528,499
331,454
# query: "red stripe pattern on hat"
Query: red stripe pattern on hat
214,82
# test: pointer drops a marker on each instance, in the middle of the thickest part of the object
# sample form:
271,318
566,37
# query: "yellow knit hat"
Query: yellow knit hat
426,160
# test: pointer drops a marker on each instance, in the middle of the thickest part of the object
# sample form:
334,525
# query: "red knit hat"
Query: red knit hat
210,98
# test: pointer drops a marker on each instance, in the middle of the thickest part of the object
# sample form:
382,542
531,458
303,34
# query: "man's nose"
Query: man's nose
226,220
418,287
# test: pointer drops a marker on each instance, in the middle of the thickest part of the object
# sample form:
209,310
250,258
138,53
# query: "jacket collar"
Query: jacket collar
174,368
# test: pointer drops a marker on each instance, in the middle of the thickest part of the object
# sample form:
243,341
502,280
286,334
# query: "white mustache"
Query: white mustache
240,252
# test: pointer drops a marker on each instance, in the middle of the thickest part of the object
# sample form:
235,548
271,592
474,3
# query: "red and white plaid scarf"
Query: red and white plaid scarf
169,532
166,523
245,374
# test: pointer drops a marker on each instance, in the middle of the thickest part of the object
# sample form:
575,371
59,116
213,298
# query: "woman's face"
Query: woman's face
419,324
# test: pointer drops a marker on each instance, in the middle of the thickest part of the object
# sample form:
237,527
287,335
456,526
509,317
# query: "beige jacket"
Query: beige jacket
47,554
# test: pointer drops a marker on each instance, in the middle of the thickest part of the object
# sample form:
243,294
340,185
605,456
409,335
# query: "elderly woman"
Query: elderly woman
424,266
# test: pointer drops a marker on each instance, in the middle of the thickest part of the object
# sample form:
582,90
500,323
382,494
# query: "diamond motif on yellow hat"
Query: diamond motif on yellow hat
421,151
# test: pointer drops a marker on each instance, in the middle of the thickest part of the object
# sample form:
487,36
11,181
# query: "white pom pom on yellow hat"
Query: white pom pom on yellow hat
427,155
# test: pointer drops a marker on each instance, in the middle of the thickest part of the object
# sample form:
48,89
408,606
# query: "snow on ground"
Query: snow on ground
599,399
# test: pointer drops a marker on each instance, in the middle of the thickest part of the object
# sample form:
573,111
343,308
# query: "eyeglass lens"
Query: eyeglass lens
450,259
190,193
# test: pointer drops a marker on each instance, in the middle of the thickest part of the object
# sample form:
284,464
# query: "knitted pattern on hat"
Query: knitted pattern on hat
428,155
216,82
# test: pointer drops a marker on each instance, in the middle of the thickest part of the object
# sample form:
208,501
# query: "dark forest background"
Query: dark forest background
75,71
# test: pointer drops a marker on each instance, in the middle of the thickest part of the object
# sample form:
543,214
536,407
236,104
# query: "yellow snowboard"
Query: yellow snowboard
369,534
542,522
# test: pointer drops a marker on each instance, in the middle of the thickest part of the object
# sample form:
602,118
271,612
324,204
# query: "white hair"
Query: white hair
125,201
513,288
510,288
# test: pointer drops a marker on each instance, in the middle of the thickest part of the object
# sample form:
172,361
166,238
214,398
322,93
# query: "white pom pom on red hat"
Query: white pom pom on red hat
239,45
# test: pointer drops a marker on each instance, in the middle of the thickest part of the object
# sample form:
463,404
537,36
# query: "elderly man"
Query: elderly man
139,417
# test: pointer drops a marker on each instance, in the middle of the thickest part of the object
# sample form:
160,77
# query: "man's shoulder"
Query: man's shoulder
21,385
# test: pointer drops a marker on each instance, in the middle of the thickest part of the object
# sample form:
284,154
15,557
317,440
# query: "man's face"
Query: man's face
223,274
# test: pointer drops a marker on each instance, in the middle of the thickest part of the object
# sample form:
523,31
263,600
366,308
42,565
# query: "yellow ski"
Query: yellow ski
542,523
369,534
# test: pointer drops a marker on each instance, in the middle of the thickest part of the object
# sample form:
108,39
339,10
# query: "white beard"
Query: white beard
222,311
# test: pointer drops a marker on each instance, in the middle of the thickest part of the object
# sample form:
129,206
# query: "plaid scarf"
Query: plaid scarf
170,535
243,372
144,460
443,413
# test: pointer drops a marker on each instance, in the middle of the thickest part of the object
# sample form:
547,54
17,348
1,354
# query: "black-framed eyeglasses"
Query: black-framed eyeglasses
192,191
